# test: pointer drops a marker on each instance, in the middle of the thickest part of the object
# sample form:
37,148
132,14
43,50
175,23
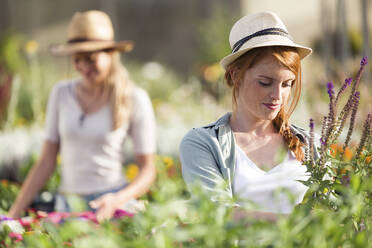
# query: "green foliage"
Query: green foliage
213,36
53,182
10,48
8,193
171,219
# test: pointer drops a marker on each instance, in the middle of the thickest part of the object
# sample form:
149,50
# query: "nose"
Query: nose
276,92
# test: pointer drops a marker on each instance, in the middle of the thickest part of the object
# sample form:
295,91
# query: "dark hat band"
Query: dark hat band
77,40
268,31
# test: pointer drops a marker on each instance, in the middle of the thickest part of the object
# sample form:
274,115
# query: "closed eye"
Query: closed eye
264,83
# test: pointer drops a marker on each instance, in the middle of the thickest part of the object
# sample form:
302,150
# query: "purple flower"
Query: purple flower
4,218
348,81
311,123
364,61
330,89
322,141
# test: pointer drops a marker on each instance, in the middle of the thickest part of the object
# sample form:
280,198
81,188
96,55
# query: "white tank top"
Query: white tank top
276,190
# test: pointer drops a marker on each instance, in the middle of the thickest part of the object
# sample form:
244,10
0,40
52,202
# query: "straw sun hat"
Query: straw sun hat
259,30
90,31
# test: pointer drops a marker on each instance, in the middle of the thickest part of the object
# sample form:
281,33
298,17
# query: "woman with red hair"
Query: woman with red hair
253,153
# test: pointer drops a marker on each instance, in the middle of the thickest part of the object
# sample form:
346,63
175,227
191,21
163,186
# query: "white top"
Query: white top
92,153
276,190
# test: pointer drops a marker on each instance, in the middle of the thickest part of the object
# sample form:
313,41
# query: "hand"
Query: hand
105,205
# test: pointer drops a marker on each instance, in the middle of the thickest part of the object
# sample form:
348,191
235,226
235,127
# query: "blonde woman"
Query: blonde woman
88,120
241,151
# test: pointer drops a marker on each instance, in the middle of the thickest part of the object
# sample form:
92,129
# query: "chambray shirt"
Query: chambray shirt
208,156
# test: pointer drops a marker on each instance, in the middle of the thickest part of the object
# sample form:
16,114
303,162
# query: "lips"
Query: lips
272,106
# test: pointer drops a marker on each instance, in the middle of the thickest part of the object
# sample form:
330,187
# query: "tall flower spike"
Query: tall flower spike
331,95
323,140
343,115
331,106
363,63
366,135
311,142
345,111
324,128
342,89
356,99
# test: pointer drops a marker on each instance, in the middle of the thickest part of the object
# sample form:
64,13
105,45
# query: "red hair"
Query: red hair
289,58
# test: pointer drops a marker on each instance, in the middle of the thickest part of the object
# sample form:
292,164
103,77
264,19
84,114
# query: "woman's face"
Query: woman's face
94,67
264,89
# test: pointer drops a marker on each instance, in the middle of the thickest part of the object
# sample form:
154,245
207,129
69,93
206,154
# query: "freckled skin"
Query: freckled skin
265,88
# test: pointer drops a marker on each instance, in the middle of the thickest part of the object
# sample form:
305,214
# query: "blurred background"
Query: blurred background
178,45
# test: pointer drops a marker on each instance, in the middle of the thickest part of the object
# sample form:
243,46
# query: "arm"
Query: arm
198,154
36,178
108,203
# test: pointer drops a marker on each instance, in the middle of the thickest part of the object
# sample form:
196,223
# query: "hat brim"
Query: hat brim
271,41
90,46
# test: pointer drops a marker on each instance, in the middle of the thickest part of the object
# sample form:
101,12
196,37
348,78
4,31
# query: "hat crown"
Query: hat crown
253,23
90,25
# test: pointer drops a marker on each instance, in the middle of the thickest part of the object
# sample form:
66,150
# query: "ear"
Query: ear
235,75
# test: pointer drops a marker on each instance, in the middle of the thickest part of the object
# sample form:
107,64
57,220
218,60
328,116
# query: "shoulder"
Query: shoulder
139,94
64,85
61,88
206,135
199,135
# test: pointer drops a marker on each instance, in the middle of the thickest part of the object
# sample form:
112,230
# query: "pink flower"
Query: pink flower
57,217
17,236
88,215
119,213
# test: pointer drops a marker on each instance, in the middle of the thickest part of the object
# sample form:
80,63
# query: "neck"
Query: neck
243,123
92,88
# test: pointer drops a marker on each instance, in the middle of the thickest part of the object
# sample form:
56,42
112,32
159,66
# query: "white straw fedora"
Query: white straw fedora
259,30
90,31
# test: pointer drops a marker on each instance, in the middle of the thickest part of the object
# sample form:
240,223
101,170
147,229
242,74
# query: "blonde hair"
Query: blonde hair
288,57
121,88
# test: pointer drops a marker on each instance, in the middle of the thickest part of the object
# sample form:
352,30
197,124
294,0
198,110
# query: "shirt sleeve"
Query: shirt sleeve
199,167
51,126
142,127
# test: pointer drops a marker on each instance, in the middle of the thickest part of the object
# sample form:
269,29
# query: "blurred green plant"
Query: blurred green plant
213,45
8,193
10,56
172,220
10,64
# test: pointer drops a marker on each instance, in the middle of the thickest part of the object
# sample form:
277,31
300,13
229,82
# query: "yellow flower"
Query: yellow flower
131,172
334,149
213,72
325,190
4,182
368,159
31,46
59,159
348,154
343,171
168,161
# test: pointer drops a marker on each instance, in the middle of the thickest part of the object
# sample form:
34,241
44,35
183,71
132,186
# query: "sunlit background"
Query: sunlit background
178,45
